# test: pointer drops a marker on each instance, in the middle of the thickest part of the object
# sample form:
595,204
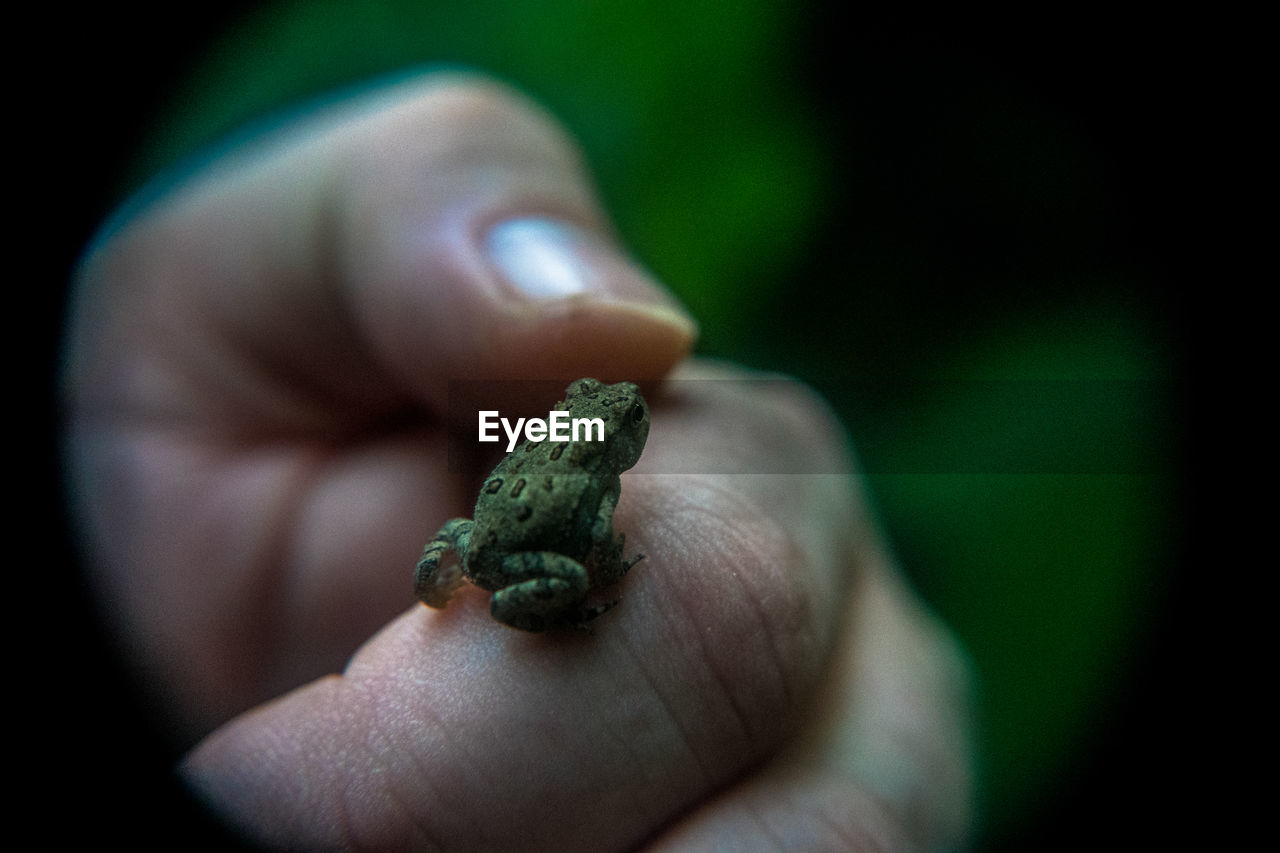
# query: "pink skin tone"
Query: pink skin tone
256,373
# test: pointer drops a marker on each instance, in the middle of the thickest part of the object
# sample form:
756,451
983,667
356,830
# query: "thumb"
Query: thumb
439,228
476,248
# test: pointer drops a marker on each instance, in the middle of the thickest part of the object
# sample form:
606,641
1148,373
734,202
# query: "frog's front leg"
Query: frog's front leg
434,581
551,592
607,552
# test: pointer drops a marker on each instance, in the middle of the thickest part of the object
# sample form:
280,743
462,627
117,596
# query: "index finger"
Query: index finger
451,730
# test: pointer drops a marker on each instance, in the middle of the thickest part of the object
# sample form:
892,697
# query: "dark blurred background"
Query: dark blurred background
961,232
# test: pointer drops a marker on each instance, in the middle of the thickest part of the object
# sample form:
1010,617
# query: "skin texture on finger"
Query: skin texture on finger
233,573
454,732
901,717
255,376
884,763
788,809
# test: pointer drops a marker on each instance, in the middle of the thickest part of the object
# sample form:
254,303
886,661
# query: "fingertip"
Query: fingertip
595,309
474,247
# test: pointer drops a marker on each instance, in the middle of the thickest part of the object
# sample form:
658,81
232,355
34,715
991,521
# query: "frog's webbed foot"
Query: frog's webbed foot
584,615
439,571
609,563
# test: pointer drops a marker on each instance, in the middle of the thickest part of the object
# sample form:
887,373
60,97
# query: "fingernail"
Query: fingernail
547,259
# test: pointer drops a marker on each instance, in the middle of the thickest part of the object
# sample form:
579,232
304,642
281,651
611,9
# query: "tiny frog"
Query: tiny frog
542,537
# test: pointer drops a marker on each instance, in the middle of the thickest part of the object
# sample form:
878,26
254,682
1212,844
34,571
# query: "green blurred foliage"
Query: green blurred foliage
919,220
1052,567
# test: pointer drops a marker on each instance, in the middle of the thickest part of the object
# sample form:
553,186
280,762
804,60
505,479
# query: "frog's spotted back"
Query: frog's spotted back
542,537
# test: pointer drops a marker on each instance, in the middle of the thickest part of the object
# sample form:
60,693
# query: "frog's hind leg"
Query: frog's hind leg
550,595
439,574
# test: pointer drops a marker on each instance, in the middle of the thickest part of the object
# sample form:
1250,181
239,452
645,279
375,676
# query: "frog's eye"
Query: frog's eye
637,414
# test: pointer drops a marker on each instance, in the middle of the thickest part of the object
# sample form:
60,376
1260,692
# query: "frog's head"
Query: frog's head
623,411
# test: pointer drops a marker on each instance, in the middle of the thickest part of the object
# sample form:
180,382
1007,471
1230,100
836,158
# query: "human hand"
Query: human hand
257,372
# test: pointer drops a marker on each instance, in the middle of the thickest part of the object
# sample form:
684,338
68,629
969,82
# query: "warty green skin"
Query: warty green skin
542,536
